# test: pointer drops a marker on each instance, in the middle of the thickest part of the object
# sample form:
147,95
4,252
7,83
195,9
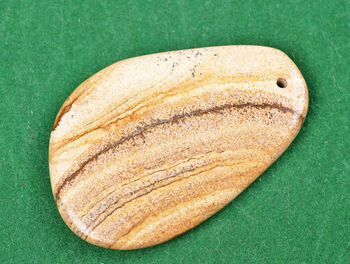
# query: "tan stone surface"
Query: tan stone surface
151,146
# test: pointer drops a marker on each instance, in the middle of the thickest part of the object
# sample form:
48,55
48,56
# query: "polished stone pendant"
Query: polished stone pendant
152,146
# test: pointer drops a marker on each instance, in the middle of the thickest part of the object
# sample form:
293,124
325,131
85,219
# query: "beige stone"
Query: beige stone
150,147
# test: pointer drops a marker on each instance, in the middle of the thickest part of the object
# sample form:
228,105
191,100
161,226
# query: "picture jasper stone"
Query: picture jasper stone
152,146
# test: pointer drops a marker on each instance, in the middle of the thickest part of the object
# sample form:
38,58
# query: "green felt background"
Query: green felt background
299,209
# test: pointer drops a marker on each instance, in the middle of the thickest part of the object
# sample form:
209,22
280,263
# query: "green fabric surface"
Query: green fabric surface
298,211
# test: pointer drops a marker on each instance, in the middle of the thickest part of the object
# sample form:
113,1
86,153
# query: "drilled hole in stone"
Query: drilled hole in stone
281,83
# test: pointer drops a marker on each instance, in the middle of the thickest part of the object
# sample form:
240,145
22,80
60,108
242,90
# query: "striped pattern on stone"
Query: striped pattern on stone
150,147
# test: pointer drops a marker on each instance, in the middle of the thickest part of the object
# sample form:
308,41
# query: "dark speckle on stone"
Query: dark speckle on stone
31,136
193,71
24,186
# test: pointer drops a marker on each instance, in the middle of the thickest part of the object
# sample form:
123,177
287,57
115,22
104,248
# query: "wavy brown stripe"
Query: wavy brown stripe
185,86
146,192
173,119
